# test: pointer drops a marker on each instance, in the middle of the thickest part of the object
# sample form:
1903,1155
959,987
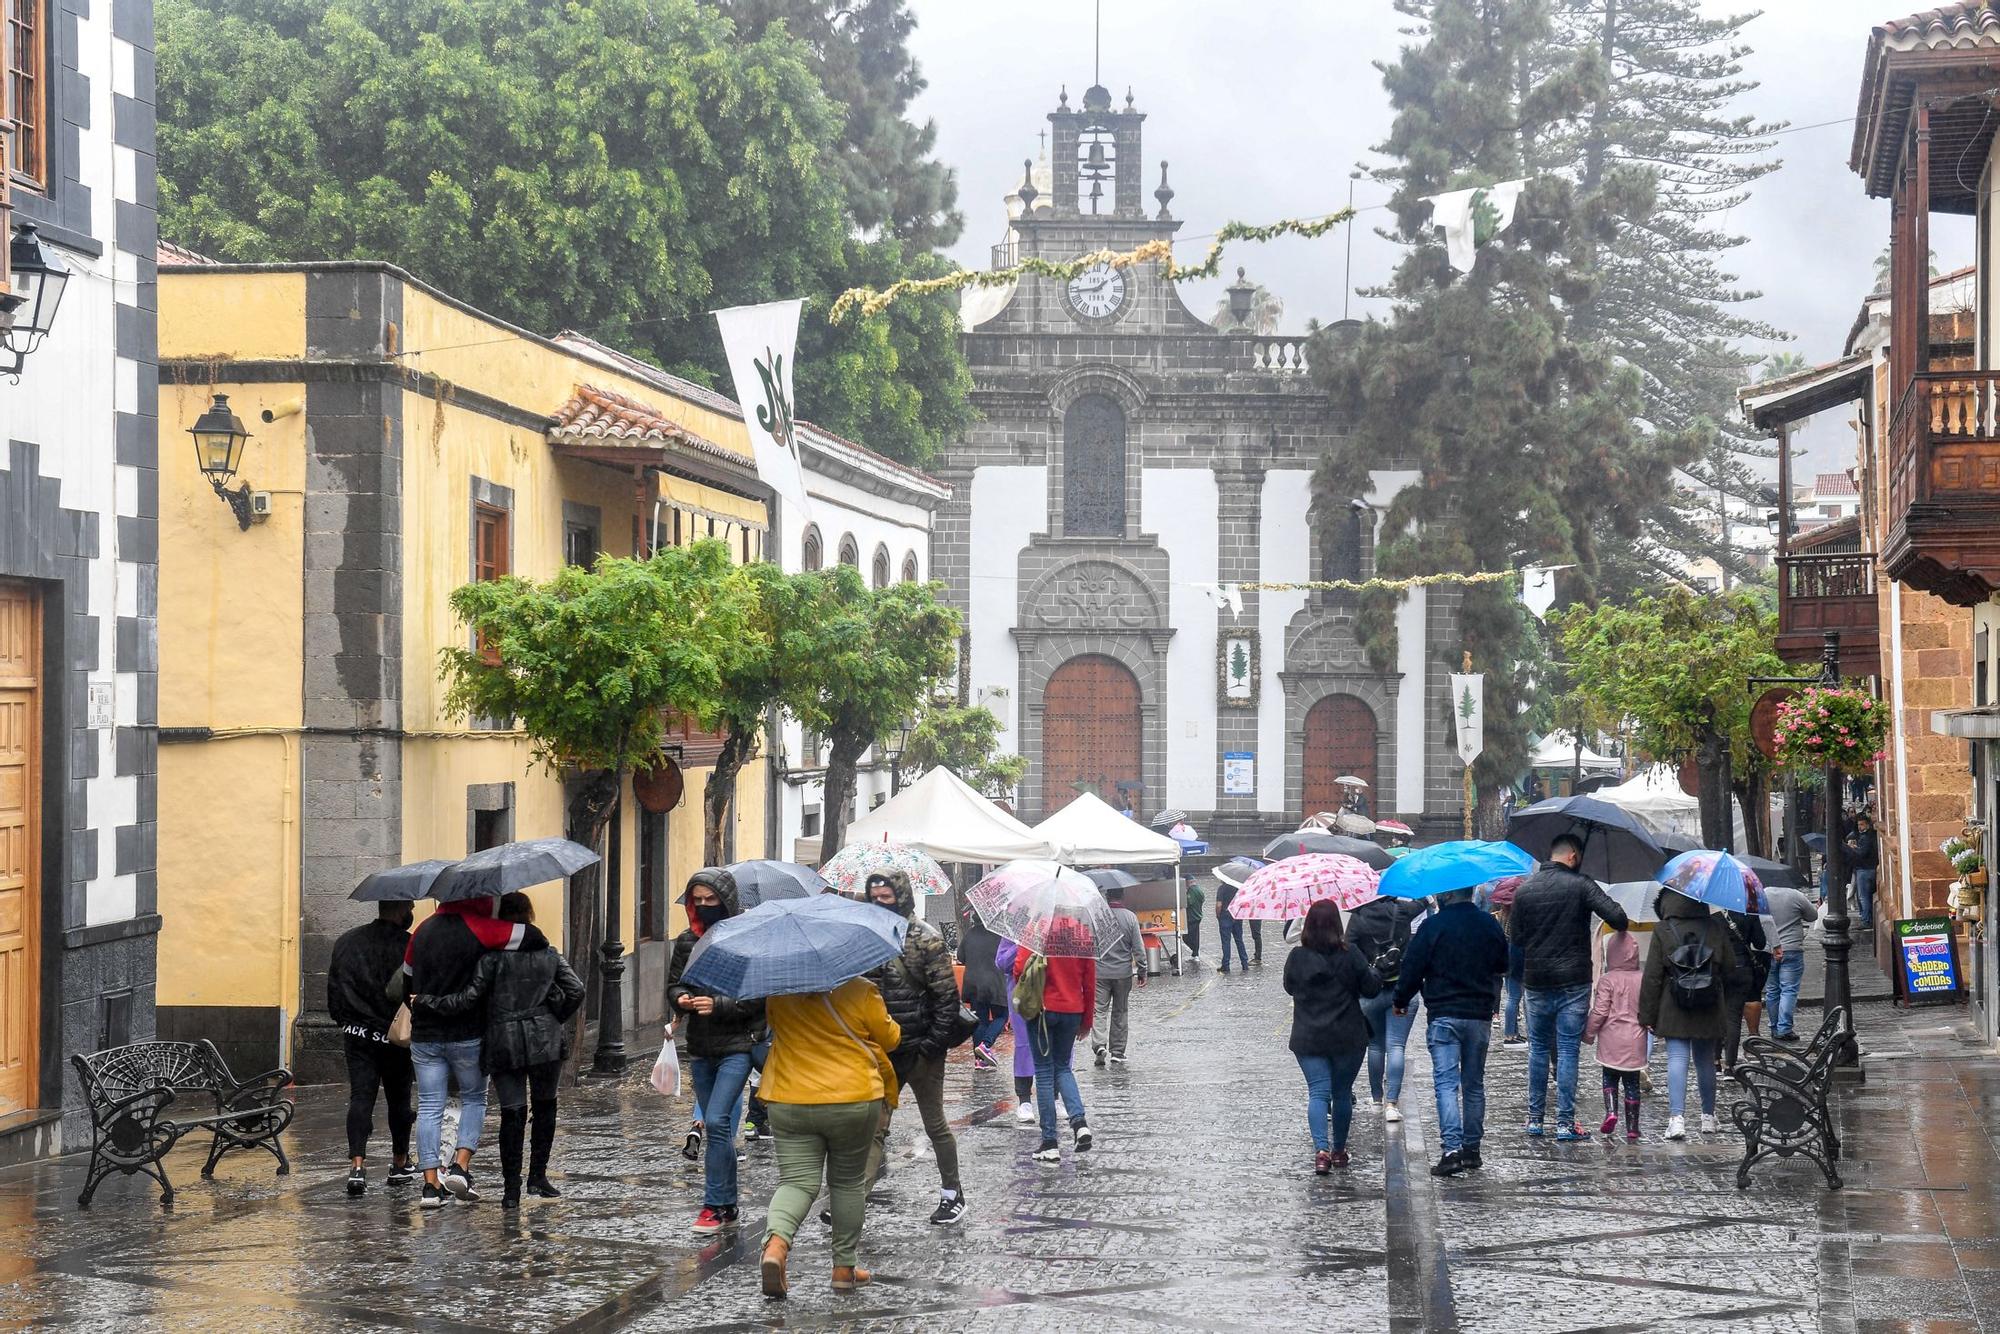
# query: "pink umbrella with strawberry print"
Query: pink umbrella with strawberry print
1282,891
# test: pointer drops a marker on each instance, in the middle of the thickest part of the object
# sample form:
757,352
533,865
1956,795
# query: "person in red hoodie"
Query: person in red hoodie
1069,998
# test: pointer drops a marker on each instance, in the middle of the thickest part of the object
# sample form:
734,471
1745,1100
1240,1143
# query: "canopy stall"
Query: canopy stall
943,815
1558,750
1655,799
1090,832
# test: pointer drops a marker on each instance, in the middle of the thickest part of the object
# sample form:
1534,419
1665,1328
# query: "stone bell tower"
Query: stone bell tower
1096,157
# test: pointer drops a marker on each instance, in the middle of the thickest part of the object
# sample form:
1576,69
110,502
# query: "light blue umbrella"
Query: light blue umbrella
791,946
1714,878
1461,864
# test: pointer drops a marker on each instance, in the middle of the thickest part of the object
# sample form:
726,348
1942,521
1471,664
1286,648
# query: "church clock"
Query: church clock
1098,293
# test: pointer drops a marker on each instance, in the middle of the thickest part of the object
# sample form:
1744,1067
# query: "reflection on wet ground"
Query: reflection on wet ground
1197,1210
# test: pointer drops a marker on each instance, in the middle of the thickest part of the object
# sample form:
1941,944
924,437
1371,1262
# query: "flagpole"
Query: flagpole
1468,764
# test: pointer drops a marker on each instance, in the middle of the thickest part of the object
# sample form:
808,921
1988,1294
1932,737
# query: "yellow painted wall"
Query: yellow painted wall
240,316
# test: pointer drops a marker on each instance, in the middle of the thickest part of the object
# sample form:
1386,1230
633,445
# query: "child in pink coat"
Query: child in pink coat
1614,1026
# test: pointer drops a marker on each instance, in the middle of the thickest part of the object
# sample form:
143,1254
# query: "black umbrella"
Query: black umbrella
1308,841
400,884
1616,847
509,867
1817,842
1771,874
765,881
1674,844
1112,879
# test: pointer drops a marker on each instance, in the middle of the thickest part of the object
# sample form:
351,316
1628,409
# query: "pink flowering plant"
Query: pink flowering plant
1825,725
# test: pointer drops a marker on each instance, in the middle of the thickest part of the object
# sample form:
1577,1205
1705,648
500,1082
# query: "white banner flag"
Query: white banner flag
1538,590
1468,712
1470,218
759,342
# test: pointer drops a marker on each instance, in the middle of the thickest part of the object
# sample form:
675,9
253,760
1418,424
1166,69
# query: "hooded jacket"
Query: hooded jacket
1614,1007
920,988
733,1026
977,948
1683,919
364,962
1550,923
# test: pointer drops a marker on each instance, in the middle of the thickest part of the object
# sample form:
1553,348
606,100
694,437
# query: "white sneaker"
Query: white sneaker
1026,1114
1708,1123
1390,1114
1677,1127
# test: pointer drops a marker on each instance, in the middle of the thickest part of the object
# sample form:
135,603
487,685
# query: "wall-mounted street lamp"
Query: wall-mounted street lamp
218,447
897,745
28,309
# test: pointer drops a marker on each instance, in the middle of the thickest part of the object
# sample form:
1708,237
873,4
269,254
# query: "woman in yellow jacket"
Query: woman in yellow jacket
826,1084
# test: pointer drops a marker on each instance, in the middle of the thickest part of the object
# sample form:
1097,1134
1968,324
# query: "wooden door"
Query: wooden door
1340,742
20,847
1090,731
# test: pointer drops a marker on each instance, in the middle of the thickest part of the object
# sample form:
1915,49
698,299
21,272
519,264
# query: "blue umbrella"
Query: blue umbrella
1714,878
762,881
792,946
1461,864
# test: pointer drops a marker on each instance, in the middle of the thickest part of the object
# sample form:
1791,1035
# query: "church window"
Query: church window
810,555
880,572
1094,468
850,551
1344,547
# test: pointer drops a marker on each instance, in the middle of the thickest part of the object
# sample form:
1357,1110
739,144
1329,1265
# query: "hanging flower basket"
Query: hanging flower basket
1825,725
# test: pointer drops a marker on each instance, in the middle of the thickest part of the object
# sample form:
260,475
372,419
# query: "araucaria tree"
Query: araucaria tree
1524,431
878,654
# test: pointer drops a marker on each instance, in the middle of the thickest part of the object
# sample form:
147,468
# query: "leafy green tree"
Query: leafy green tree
964,738
876,655
621,167
1679,666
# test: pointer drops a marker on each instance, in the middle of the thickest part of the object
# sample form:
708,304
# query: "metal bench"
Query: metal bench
130,1089
1787,1111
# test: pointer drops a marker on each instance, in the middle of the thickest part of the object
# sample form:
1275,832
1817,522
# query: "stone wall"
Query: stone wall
1931,787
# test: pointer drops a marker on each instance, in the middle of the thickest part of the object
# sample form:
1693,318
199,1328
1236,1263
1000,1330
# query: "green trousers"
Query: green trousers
823,1139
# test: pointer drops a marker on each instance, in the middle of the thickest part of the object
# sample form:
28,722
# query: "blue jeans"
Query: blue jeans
1679,1052
1052,1038
1864,897
1781,991
1458,1074
1556,1017
1330,1093
1231,929
1512,1025
718,1100
992,1023
1387,1037
438,1063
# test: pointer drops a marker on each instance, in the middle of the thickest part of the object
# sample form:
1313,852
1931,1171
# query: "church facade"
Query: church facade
1131,461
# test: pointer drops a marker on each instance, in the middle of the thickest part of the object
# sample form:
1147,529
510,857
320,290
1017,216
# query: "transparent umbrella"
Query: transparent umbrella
1045,907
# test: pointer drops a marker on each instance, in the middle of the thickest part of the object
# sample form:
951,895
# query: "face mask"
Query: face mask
708,914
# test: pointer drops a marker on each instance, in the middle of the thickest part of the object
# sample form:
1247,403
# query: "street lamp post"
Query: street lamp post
1839,991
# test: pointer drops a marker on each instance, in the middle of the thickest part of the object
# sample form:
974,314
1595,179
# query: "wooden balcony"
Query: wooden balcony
1829,592
1943,518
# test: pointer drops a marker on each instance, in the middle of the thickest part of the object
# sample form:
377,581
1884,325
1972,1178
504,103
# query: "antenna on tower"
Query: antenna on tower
1347,284
1097,55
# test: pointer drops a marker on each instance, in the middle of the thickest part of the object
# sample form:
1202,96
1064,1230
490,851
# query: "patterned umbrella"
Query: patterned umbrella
1714,878
850,868
1170,817
1282,891
1045,907
1359,826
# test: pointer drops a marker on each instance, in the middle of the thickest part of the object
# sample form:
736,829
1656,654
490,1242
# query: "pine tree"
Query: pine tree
1523,432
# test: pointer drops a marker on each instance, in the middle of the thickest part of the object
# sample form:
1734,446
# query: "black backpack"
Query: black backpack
1691,972
1388,962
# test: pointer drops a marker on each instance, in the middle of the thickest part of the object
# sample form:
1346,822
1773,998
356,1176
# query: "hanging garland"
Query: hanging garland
1381,585
873,301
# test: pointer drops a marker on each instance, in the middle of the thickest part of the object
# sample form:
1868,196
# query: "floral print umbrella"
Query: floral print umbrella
850,868
1282,891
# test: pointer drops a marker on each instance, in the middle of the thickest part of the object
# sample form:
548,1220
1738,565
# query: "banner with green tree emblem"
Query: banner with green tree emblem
1236,669
1468,709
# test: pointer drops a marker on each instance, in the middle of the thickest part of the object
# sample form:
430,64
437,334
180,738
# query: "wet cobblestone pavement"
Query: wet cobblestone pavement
1197,1210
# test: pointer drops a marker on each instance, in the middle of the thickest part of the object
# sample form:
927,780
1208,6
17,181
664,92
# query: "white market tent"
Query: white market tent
1557,750
942,815
1088,832
1655,799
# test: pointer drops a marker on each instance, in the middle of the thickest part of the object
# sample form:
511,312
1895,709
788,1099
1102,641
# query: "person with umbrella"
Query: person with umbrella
1551,927
1229,878
365,961
721,1032
1329,981
984,989
921,993
1121,965
1681,996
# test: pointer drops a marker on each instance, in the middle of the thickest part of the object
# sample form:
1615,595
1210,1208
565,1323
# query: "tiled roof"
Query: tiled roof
166,252
1831,484
602,416
1967,23
916,474
647,371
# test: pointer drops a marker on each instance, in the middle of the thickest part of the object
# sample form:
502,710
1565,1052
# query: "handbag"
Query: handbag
399,1026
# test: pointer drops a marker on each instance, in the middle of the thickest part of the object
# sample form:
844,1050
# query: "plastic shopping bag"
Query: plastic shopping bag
667,1070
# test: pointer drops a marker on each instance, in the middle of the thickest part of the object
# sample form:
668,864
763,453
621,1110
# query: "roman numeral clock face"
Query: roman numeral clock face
1098,293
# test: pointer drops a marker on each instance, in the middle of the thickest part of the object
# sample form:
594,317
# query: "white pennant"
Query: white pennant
1458,214
1468,714
1538,590
759,342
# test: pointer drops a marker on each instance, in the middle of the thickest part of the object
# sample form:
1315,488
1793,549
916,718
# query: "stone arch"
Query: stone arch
1093,731
1099,389
812,550
910,567
1094,592
1143,654
1306,684
850,551
1096,466
879,567
1339,741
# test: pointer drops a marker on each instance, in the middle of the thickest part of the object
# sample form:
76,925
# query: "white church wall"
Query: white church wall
1408,799
1182,506
1285,556
1009,505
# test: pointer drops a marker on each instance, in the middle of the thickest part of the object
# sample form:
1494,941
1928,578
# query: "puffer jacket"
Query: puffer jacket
1550,925
734,1026
529,998
920,988
1683,919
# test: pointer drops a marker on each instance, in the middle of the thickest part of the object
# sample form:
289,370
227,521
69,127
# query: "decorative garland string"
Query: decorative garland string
872,301
1380,585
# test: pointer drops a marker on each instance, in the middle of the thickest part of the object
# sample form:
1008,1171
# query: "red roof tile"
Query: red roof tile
1828,484
602,416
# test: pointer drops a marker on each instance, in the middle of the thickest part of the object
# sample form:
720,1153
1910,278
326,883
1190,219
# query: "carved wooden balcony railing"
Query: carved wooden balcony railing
1943,519
1829,592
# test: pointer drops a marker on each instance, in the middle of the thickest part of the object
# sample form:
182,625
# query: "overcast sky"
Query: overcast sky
1263,109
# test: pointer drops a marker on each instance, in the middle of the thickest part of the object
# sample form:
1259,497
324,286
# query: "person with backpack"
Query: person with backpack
1381,929
1330,981
921,991
1056,995
1229,928
1681,999
1744,985
1621,1039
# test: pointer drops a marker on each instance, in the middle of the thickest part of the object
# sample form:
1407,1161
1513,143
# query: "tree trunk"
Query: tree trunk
720,794
1711,760
843,754
1753,793
592,798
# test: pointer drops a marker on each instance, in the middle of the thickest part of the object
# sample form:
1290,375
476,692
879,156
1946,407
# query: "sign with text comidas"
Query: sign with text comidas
1927,961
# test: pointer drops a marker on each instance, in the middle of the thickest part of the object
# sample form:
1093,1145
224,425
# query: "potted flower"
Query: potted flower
1966,859
1830,725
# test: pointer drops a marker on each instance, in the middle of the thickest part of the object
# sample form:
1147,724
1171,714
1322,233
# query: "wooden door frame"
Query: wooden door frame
1331,702
52,802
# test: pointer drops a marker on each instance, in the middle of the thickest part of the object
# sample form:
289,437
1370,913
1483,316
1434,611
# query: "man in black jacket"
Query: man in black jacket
920,990
364,962
1456,959
1551,928
1863,852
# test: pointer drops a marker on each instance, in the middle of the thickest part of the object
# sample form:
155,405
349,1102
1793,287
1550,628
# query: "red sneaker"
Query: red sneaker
1339,1157
710,1220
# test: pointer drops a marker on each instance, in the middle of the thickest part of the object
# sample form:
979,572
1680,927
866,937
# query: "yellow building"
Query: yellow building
402,444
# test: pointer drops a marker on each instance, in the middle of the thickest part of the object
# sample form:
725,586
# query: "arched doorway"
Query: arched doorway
1090,731
1340,742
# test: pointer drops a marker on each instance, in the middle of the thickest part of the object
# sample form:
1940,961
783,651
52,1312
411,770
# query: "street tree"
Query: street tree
620,167
877,654
1680,666
964,738
1522,430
